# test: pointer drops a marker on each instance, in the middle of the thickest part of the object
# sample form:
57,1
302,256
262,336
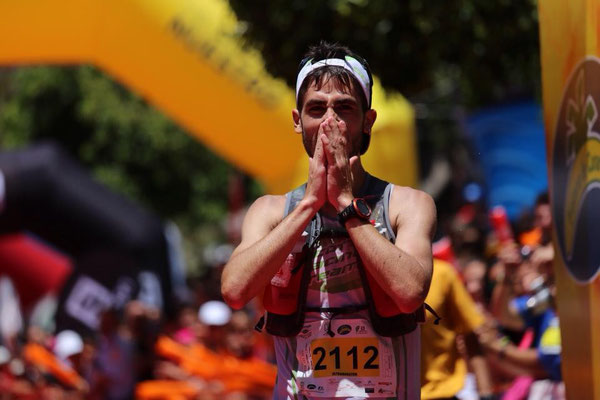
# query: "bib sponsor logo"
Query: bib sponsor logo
344,329
576,172
304,333
361,329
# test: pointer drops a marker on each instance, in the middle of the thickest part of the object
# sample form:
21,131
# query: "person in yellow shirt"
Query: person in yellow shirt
443,368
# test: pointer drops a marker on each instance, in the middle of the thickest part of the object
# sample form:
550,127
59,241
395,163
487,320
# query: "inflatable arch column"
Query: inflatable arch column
187,58
570,50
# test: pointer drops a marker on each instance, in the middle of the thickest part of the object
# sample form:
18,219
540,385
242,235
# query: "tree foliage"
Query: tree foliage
484,50
447,57
125,143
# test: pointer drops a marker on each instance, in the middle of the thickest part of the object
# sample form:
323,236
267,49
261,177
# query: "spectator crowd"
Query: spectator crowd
497,336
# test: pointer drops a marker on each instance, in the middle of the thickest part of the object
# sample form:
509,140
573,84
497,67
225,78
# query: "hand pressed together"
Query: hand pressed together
331,168
316,186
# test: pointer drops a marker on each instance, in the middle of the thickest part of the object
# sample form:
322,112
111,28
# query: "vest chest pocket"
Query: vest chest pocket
284,274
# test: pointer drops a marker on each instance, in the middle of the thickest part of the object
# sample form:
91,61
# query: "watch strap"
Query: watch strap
351,211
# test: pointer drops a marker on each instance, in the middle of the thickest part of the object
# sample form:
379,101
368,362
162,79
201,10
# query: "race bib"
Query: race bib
354,362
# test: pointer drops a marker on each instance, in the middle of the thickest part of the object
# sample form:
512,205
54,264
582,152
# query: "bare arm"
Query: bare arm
404,269
266,242
267,239
478,364
509,259
501,309
517,361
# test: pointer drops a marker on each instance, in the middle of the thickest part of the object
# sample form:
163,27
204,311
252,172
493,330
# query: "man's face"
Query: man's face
332,100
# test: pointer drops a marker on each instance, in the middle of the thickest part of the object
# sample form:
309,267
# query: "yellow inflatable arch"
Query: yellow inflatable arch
187,58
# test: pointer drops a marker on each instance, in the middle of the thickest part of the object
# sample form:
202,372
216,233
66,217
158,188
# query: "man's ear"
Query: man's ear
297,121
370,117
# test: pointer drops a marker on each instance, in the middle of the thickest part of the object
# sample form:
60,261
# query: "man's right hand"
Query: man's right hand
268,236
316,186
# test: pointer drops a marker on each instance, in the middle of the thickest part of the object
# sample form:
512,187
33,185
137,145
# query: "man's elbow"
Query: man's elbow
412,305
233,296
410,300
235,302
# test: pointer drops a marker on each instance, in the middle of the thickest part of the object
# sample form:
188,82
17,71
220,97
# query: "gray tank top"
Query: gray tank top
336,282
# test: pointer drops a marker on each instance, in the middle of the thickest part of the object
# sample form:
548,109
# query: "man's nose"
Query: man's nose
331,113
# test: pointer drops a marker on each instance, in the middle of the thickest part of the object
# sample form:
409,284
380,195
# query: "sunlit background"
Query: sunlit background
134,136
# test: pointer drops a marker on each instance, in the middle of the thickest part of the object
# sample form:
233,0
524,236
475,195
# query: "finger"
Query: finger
326,126
330,141
328,150
353,160
336,139
318,148
333,126
342,126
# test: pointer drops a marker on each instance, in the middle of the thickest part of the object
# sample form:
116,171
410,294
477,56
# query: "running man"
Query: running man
343,263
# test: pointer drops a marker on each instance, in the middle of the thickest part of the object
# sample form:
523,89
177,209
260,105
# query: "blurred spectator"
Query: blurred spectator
68,347
36,334
185,322
141,326
218,362
214,315
114,371
542,361
507,272
543,218
474,273
443,369
524,299
208,351
49,373
11,321
43,311
467,232
215,257
240,339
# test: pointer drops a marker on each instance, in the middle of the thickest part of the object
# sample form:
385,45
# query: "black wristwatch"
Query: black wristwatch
357,209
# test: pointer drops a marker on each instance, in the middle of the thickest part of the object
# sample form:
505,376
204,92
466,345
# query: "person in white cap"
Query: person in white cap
214,315
343,262
68,345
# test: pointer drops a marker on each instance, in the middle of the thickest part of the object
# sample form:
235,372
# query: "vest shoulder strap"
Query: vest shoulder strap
376,191
293,198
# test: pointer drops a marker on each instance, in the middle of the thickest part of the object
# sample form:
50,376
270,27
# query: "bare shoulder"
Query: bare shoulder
267,211
411,207
404,196
262,217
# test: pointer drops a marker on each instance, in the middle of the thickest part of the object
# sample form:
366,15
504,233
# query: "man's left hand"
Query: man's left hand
339,165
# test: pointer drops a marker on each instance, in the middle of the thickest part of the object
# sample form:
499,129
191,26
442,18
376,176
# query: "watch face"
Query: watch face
362,208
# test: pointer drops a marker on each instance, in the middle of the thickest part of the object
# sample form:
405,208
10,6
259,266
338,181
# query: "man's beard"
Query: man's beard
308,147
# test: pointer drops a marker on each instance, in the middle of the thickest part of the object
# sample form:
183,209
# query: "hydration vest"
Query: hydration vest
285,304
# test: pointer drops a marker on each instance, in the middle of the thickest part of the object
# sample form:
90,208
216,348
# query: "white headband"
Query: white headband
349,63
